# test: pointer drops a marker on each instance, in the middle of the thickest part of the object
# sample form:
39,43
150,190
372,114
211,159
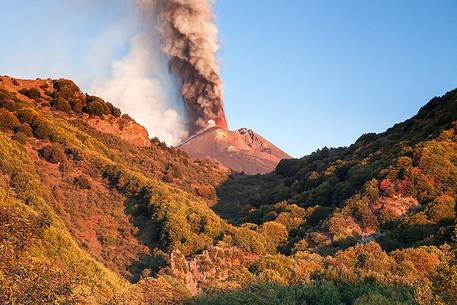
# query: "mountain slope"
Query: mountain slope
93,212
97,187
388,187
242,150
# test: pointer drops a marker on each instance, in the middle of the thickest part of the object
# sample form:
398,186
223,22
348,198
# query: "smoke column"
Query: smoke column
140,84
189,39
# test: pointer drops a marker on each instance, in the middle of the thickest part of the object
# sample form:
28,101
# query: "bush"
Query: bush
167,178
373,298
83,182
32,93
274,233
96,106
59,84
61,104
25,129
246,239
8,100
20,137
127,117
53,153
25,116
442,209
282,266
42,130
7,120
114,110
77,106
64,88
7,103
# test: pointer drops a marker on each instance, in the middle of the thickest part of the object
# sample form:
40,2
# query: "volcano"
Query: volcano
242,150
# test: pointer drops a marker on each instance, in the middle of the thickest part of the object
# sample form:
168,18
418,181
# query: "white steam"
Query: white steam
141,85
84,41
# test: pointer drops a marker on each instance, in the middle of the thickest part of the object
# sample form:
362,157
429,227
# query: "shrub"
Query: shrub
20,137
274,233
206,191
61,104
319,214
301,245
8,104
246,239
53,153
65,83
96,106
83,182
77,106
64,93
373,298
25,129
371,190
7,120
127,117
282,266
113,110
42,130
442,209
25,116
32,93
167,178
64,88
116,112
74,153
8,100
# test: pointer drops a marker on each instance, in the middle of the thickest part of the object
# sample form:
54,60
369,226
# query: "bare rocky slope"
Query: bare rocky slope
242,150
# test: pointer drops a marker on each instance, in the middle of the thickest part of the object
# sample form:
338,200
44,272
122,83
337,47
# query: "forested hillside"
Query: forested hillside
93,212
396,187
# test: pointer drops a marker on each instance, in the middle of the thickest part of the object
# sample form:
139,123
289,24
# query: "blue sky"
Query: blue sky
304,74
308,74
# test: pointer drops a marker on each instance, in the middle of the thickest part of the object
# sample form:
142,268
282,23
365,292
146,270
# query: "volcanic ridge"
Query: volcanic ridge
242,150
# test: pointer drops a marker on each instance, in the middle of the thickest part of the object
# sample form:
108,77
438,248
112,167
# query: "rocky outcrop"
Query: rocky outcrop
124,128
210,268
396,206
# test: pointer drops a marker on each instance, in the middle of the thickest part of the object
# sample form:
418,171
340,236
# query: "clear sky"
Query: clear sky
304,74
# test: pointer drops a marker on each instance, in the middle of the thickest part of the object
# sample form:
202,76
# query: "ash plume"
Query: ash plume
139,83
189,39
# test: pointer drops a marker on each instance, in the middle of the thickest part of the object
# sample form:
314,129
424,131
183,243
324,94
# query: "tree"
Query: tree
274,233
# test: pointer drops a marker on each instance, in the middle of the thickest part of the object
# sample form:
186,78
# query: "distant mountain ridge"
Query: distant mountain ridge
242,150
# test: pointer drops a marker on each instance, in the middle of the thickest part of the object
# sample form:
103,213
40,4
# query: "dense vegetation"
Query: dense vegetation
88,218
397,187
